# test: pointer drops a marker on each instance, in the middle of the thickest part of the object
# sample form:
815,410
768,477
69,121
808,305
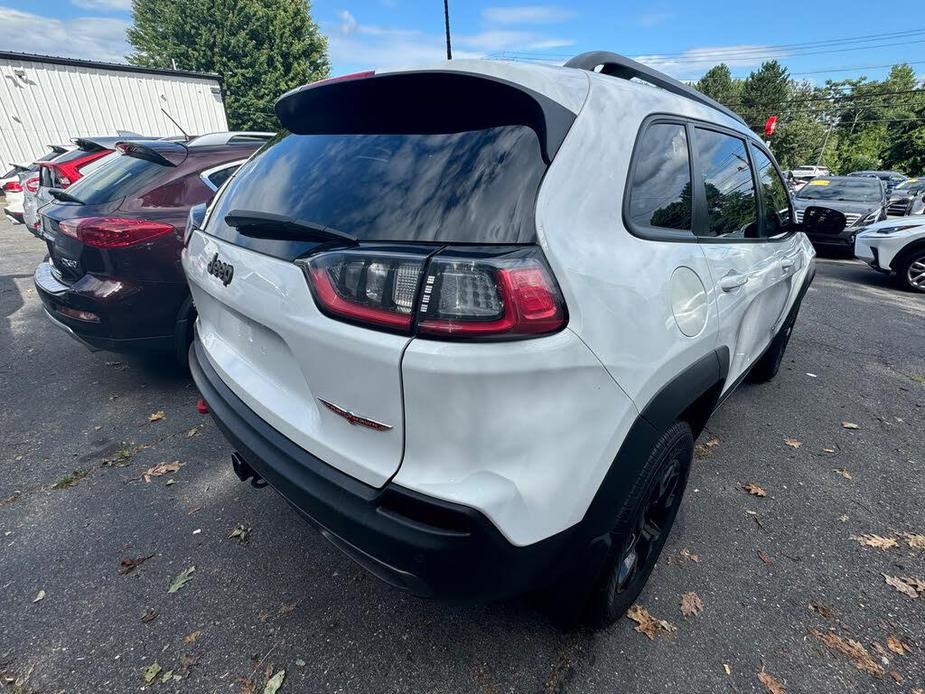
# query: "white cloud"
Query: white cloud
354,45
94,38
651,19
526,14
119,5
694,62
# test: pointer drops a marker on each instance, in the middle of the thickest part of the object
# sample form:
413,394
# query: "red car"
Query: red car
113,278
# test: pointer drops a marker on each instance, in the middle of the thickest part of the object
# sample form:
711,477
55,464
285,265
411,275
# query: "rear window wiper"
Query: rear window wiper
267,225
63,196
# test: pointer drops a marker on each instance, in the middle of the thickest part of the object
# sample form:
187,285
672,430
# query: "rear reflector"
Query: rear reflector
86,316
12,187
113,232
457,293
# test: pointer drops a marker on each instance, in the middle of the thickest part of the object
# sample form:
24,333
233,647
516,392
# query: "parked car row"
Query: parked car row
400,317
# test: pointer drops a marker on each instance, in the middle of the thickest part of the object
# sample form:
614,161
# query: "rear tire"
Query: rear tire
911,271
642,527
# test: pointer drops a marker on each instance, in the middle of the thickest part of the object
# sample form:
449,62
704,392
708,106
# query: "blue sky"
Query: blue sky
681,38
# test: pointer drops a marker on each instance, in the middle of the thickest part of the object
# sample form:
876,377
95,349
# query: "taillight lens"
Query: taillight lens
456,293
12,187
32,184
373,288
113,232
68,172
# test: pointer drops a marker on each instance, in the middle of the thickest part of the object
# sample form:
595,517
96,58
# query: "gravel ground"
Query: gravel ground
778,575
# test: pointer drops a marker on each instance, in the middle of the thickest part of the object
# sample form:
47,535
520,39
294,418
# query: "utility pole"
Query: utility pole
825,141
446,21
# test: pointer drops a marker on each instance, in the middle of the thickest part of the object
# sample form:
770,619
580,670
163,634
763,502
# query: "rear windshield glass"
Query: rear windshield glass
472,186
119,177
859,189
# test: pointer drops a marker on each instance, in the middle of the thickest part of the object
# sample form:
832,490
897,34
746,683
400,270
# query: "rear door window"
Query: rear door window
120,177
660,195
732,206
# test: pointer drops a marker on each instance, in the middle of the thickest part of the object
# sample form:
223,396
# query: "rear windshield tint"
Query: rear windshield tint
476,186
120,177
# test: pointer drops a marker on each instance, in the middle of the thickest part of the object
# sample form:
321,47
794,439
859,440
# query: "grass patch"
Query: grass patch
70,479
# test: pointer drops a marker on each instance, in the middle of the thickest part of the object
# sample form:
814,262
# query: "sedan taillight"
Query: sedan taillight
12,187
113,232
457,293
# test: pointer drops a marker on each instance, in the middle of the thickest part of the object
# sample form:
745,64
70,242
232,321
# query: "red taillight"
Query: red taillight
68,172
12,187
462,294
32,184
113,232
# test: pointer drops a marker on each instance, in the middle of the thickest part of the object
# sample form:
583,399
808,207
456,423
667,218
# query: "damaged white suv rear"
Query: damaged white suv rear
469,319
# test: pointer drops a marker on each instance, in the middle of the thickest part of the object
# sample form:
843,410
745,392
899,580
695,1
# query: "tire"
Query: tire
642,527
911,271
768,364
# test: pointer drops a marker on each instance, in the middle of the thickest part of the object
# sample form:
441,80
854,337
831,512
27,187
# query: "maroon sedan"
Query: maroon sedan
113,278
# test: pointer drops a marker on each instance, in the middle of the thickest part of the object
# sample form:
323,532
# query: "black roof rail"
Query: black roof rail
620,66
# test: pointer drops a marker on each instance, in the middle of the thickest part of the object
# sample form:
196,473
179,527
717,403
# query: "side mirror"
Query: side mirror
194,220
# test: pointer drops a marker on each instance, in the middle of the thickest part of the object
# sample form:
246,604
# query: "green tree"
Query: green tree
765,92
798,141
719,84
261,48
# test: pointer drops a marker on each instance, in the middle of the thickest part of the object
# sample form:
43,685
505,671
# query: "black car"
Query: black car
861,200
907,198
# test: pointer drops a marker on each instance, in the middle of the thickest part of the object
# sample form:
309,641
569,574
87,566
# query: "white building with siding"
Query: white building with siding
49,100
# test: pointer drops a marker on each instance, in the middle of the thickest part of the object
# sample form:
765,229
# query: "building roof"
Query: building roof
99,65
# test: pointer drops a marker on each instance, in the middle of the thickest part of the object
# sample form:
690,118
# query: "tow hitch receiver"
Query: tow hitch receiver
245,472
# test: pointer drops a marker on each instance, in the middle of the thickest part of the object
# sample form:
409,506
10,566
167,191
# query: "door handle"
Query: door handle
732,281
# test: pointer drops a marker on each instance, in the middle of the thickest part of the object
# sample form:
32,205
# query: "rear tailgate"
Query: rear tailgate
270,344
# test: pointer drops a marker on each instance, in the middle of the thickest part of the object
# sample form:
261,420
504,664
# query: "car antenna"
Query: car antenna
185,134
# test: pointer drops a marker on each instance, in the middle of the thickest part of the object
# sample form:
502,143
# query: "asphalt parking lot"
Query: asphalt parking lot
785,589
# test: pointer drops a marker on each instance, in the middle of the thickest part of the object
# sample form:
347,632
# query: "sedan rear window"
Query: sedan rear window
858,189
471,186
118,178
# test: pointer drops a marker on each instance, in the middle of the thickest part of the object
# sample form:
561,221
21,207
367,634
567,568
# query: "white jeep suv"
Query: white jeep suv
469,319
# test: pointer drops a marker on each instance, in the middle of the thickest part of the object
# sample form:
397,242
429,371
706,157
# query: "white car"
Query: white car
896,245
472,338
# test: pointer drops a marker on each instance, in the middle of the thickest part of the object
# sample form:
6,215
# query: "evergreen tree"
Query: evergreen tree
765,92
719,84
261,48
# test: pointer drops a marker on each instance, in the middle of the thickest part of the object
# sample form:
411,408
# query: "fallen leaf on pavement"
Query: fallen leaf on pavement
765,558
770,683
827,449
905,585
823,610
242,533
192,636
850,425
156,416
646,623
754,489
877,541
897,646
181,579
727,668
844,473
126,566
850,649
274,683
39,596
161,469
691,604
194,431
793,443
705,449
915,541
686,554
151,672
187,661
149,615
165,678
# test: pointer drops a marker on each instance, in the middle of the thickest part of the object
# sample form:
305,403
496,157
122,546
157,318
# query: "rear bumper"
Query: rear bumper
131,318
420,544
15,217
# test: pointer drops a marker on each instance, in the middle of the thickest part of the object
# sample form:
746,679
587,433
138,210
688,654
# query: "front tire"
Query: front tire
911,271
642,526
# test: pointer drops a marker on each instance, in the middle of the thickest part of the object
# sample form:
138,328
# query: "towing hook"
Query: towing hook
245,472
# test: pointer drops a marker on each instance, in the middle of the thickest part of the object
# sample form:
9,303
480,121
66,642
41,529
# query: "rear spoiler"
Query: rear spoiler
88,144
57,149
422,102
163,152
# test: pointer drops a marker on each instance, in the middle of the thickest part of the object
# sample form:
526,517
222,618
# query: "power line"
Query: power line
858,67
